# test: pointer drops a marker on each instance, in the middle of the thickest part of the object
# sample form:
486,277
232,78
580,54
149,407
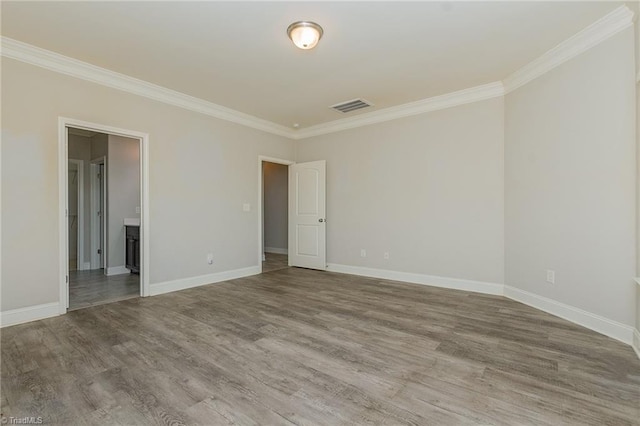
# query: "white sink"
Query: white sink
131,221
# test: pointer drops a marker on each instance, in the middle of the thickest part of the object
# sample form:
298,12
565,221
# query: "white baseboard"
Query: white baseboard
30,313
435,281
276,250
636,342
185,283
610,328
117,270
602,325
613,329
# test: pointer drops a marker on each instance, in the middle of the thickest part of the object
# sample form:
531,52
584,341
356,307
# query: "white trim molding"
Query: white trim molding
63,123
597,323
602,325
431,280
276,250
448,100
56,62
63,229
185,283
30,313
117,270
47,59
262,159
607,26
604,28
636,342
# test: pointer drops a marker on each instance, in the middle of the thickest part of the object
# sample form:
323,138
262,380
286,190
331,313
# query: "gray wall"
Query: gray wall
570,182
276,194
427,189
79,147
201,172
432,189
123,189
99,146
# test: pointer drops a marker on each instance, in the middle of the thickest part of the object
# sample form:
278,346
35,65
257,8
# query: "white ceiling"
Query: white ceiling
237,54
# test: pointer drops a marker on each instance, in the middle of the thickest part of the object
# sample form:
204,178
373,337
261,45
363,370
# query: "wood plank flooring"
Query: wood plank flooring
296,346
90,288
274,261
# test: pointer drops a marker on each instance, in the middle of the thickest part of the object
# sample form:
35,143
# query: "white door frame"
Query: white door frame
262,158
96,192
63,123
80,217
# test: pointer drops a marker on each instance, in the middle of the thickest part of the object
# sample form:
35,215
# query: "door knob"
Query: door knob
320,220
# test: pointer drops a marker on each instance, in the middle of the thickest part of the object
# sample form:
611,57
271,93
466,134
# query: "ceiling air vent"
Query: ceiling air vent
352,105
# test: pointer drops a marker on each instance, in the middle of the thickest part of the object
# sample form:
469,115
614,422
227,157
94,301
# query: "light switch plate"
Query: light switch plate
246,207
551,276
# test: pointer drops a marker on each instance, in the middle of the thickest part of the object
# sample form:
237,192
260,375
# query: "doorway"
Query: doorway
305,216
103,196
275,184
274,216
115,192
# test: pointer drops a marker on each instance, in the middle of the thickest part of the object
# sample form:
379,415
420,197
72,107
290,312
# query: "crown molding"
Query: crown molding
62,64
56,62
605,27
609,25
461,97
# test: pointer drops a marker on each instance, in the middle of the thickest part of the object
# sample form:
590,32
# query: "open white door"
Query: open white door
307,231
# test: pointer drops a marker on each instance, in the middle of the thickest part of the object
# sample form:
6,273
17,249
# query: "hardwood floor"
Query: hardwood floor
275,261
90,288
296,346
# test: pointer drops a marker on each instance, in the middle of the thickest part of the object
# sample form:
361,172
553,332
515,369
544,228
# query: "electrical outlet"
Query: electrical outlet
138,210
386,255
551,276
210,258
363,253
246,207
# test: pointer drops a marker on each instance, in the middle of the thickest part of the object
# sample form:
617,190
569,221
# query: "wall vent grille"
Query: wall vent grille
352,105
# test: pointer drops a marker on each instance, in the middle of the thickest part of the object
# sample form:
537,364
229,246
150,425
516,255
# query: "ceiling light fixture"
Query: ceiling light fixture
305,34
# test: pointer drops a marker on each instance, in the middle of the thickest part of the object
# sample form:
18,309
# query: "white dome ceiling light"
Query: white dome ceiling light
305,34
